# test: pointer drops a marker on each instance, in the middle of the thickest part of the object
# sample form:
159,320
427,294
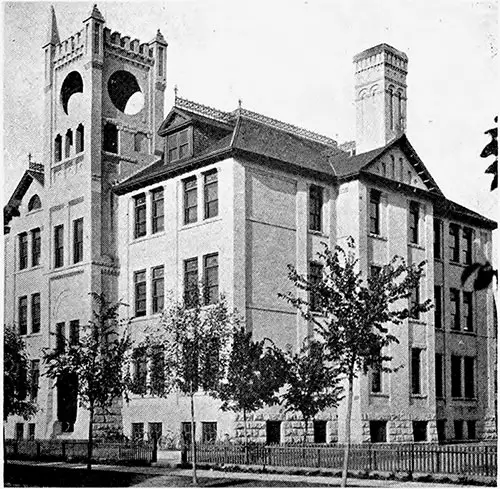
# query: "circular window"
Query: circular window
125,93
72,84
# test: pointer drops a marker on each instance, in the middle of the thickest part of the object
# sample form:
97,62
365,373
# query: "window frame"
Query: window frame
316,202
36,320
455,311
438,368
22,312
454,245
60,346
59,246
211,207
208,288
375,200
74,332
469,380
191,290
178,144
140,293
468,304
23,250
456,377
157,210
416,371
438,306
36,247
157,278
208,431
140,215
187,192
315,277
320,431
34,378
413,222
80,139
414,302
140,371
467,235
78,240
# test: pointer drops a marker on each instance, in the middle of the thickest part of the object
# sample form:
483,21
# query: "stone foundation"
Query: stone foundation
488,430
108,424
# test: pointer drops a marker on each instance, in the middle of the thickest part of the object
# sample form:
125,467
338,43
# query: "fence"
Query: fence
423,458
76,450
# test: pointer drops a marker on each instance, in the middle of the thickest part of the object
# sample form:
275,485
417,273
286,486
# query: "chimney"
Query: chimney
380,96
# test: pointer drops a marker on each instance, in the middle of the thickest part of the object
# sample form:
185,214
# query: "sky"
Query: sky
292,61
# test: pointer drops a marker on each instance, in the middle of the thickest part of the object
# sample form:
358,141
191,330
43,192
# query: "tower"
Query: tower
380,97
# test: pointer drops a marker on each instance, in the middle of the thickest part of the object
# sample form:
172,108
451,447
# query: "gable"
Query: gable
174,118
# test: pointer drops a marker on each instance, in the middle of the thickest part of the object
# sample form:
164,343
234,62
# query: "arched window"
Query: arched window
58,148
34,203
79,145
69,143
110,138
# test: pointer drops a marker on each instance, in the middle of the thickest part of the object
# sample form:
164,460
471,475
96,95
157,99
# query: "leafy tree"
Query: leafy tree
491,149
190,340
312,383
352,317
254,376
16,382
98,360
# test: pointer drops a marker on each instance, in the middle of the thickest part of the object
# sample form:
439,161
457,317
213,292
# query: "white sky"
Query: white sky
293,61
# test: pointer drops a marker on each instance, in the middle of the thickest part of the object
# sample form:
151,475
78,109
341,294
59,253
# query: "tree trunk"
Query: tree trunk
193,436
348,433
91,441
306,424
245,431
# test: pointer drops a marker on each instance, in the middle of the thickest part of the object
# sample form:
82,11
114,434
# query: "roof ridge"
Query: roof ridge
205,110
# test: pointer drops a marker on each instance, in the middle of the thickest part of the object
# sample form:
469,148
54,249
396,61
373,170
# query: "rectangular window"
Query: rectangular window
191,293
140,369
23,315
178,145
438,238
439,375
471,430
208,432
74,332
34,378
438,307
315,207
36,247
140,292
315,277
413,222
376,381
96,38
157,289
415,371
23,251
139,215
60,337
155,430
468,312
78,240
211,278
59,246
414,302
455,309
19,431
190,201
454,243
157,371
469,377
456,376
319,429
374,211
459,429
31,431
273,432
211,195
467,245
187,432
419,430
137,432
378,431
160,61
157,210
35,313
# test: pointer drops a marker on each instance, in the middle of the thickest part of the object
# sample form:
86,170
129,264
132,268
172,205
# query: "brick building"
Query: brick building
132,203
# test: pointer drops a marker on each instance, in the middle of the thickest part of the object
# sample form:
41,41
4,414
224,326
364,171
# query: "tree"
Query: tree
254,377
312,383
16,381
98,361
352,317
491,149
191,342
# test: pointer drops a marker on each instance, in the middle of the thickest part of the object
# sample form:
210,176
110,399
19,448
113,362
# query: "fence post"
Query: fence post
412,460
318,460
438,457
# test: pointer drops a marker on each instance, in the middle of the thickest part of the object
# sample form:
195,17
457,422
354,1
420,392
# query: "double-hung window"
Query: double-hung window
468,311
74,332
454,242
469,390
191,292
59,246
211,278
34,378
456,376
467,245
414,302
374,211
211,194
413,222
157,210
415,371
78,240
23,251
455,309
438,307
140,292
35,313
23,315
140,369
315,276
157,289
36,247
190,200
139,215
178,145
315,207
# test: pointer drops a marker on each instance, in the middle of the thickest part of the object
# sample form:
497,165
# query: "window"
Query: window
157,211
191,282
23,251
469,377
438,307
34,378
110,138
208,432
376,376
34,203
59,246
441,429
160,61
315,208
139,215
471,430
415,371
78,240
96,38
157,289
439,375
36,247
19,431
74,332
469,317
178,145
467,245
456,376
187,433
454,243
60,337
157,372
140,368
455,309
35,313
374,211
211,195
58,148
190,201
79,143
378,431
319,428
140,142
31,431
438,238
155,431
413,222
68,144
140,293
315,277
273,432
23,315
419,430
211,278
137,432
459,429
414,302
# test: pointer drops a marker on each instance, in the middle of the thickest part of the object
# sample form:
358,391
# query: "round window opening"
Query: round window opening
125,93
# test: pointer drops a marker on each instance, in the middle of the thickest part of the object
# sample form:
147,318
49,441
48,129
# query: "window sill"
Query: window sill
379,394
66,268
317,233
34,211
464,399
377,236
459,264
32,335
439,260
418,396
191,225
147,236
417,321
460,331
416,246
29,269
